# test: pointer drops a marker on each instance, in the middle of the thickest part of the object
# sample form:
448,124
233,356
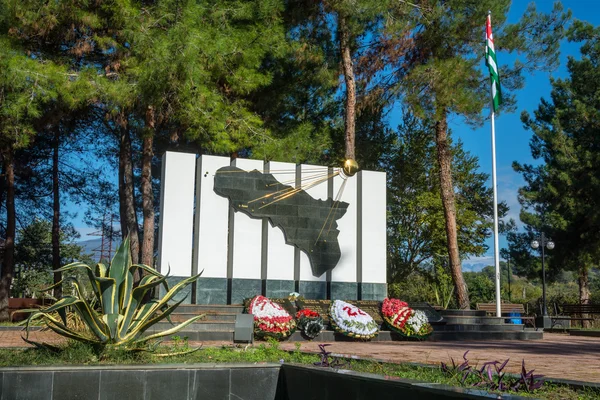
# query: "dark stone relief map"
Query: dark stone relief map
302,218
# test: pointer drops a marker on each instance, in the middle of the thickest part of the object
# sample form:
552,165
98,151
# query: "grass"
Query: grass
75,353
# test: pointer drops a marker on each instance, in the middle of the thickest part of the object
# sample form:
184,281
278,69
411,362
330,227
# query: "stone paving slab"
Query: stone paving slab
556,356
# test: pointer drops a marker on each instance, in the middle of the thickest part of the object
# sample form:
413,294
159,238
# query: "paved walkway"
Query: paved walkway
556,356
12,338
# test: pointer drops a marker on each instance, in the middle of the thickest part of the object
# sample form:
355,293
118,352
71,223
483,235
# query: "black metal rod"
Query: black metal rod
545,307
509,293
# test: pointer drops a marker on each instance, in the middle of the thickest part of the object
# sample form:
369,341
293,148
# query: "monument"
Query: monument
271,228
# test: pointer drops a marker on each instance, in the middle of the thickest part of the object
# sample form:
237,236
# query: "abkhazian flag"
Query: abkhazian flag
490,61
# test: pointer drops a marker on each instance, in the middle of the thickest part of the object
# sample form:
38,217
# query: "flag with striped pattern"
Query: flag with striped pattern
490,61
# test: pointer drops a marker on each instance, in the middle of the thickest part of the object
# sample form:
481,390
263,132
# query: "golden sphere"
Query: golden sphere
350,167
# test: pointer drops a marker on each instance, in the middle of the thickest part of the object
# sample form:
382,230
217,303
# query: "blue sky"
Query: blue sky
512,140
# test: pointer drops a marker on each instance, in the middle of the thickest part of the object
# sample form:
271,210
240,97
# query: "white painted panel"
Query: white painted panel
280,256
374,249
212,216
176,213
247,236
310,173
346,269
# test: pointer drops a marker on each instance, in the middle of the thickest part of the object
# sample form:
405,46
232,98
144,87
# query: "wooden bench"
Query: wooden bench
505,310
20,303
573,310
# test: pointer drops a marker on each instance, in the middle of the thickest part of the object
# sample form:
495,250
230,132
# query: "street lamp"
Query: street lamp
542,243
508,271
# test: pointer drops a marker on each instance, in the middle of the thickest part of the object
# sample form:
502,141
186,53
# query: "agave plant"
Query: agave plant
120,316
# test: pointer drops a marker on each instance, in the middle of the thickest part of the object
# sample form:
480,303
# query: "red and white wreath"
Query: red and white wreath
270,319
404,320
352,321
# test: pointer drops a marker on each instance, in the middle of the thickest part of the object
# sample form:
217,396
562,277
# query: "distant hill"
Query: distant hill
93,246
475,266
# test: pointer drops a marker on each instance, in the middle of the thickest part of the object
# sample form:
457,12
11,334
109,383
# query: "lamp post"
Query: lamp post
509,273
542,243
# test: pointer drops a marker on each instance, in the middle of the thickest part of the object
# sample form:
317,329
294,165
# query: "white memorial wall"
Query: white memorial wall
241,256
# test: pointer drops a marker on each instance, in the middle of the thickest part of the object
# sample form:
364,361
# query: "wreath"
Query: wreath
270,319
351,321
404,320
309,322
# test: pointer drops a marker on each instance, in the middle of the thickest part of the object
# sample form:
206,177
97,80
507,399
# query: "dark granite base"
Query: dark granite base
179,382
313,290
278,289
211,291
185,293
244,289
303,382
214,290
344,291
373,291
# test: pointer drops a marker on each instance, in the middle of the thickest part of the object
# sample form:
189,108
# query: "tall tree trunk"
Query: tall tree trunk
9,242
128,215
147,202
56,214
584,292
346,55
447,192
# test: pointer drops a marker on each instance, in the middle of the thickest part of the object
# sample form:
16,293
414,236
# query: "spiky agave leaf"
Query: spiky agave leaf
163,303
131,309
170,331
90,274
119,269
158,317
178,353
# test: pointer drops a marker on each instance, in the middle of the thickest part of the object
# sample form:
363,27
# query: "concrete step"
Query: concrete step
462,320
202,308
477,327
199,336
198,326
208,316
384,336
464,313
487,335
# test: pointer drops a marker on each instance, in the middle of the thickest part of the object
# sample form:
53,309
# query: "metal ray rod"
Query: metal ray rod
334,207
337,202
294,191
306,178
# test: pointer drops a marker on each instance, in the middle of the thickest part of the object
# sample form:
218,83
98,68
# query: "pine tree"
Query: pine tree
442,75
416,229
561,195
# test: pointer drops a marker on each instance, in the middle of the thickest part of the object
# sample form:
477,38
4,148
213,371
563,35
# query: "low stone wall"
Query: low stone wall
215,381
141,382
303,383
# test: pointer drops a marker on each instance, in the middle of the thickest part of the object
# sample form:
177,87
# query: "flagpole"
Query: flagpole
494,185
496,250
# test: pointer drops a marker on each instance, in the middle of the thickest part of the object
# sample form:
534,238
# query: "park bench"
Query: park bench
506,309
574,312
19,303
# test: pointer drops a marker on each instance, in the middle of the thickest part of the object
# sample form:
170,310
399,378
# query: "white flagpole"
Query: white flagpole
496,249
494,185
